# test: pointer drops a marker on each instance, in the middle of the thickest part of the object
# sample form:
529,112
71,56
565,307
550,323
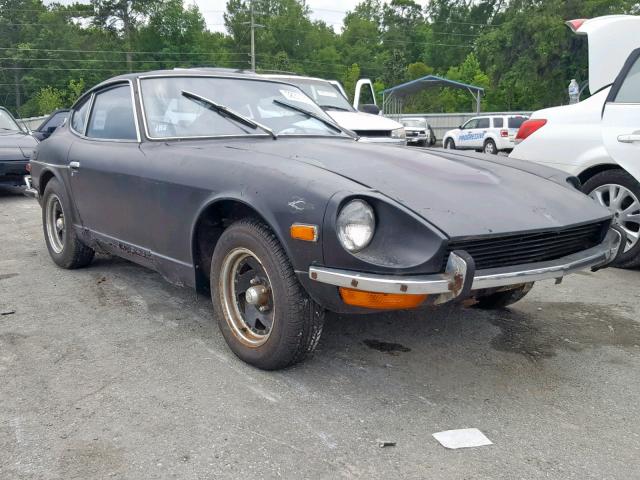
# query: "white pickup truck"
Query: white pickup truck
598,139
331,97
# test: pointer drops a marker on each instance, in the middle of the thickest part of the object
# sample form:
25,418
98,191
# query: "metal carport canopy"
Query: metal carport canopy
431,81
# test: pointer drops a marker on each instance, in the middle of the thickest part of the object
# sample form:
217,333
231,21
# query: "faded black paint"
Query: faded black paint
144,201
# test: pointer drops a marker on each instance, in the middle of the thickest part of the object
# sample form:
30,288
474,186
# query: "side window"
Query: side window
112,115
79,119
55,121
483,123
470,124
498,122
630,89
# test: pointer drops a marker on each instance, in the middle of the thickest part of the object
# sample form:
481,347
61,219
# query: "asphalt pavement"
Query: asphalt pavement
110,372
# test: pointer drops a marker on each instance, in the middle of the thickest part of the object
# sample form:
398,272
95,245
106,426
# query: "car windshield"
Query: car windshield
7,122
172,108
323,93
413,122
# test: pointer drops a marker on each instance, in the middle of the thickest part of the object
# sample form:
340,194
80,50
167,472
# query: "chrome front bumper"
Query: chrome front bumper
30,191
459,278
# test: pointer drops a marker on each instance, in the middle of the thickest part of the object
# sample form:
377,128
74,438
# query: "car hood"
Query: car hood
14,146
461,194
363,121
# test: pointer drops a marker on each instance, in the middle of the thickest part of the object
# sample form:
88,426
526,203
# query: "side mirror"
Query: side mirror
370,108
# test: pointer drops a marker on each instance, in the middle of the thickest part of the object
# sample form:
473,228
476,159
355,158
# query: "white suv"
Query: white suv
488,134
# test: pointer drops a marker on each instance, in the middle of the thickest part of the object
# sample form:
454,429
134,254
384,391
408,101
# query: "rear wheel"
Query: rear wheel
498,300
264,314
450,144
64,246
620,193
490,147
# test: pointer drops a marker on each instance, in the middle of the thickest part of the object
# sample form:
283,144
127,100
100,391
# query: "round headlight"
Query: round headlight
356,225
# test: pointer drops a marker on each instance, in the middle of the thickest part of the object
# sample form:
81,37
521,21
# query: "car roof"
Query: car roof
192,72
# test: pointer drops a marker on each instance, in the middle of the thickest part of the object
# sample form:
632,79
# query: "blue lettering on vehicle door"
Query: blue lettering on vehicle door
472,136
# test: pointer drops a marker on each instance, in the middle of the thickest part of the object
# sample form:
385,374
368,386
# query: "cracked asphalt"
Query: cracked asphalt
110,372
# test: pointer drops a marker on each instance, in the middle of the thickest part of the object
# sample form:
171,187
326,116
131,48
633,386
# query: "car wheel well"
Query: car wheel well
214,220
45,177
590,172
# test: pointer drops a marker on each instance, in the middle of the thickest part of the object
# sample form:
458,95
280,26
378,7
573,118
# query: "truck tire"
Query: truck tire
449,144
625,208
65,248
264,314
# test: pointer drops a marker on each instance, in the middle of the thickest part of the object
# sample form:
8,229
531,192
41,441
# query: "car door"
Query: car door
621,117
105,163
465,138
480,132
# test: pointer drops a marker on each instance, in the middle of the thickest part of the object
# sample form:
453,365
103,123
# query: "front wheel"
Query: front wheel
264,314
620,193
498,300
449,144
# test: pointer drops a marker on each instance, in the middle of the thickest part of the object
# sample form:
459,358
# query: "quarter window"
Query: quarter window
498,122
79,119
112,115
630,89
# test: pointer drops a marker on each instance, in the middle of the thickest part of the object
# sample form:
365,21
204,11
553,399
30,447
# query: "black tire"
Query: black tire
449,144
499,300
297,320
630,258
70,252
490,147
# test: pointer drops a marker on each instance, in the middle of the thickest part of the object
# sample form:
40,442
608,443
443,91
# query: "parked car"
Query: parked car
243,185
50,124
488,134
598,139
16,145
418,131
369,126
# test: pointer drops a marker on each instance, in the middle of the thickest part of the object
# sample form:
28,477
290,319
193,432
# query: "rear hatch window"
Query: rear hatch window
515,122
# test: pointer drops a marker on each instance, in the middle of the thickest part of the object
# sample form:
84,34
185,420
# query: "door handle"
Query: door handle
630,138
74,165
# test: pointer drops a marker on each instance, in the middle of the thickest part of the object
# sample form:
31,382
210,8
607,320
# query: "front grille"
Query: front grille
517,249
373,133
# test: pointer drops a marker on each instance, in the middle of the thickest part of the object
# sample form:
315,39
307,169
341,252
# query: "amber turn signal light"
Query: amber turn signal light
307,233
380,301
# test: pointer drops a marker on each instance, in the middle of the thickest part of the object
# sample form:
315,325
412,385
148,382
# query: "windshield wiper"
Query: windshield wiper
328,123
227,112
333,107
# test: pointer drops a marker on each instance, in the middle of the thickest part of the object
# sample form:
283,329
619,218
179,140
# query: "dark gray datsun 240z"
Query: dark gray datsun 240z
242,185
